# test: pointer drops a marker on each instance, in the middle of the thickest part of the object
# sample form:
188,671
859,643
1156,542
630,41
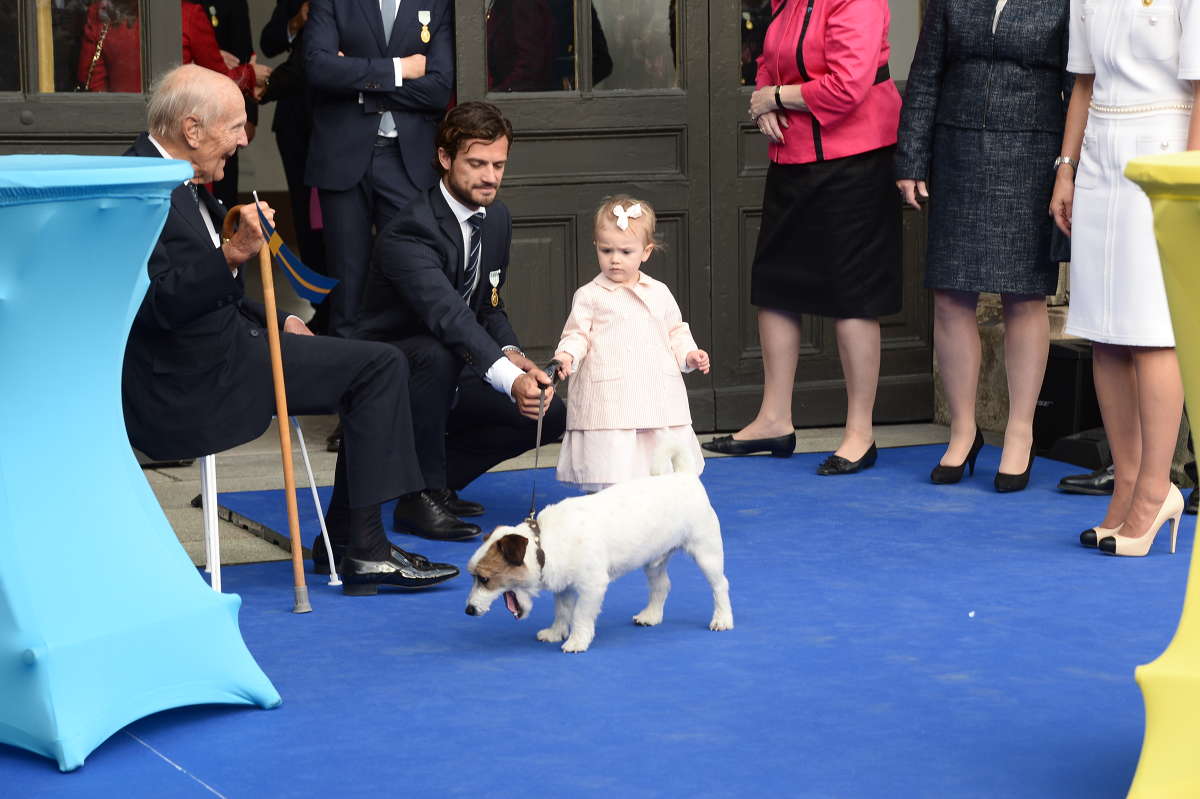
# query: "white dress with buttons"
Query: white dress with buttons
1144,55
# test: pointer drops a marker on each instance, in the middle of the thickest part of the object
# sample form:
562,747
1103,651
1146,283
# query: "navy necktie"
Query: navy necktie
472,276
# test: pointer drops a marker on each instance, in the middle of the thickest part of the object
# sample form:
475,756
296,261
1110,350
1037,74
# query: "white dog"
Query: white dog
580,544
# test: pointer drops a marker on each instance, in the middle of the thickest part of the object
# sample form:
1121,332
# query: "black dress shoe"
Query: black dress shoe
422,515
321,560
779,446
334,442
452,502
400,570
836,464
1097,483
946,475
1007,483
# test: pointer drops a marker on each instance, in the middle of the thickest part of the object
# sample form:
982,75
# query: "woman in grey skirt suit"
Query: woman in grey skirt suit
981,126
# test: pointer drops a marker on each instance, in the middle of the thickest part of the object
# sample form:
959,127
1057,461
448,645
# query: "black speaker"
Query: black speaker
1067,404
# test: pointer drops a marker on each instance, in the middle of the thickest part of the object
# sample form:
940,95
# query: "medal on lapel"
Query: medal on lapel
424,18
212,15
494,279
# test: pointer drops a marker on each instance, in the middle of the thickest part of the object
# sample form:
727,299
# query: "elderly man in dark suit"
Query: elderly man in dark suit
381,74
196,376
434,291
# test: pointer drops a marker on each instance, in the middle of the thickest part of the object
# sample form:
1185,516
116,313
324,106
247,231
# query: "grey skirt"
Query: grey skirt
989,220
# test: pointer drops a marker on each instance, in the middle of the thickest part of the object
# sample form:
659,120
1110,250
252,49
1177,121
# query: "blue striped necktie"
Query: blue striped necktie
472,276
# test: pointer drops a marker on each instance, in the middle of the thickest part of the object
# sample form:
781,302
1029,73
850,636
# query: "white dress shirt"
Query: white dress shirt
503,373
996,19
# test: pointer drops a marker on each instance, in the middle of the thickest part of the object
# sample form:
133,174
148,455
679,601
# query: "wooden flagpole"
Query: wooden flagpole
281,413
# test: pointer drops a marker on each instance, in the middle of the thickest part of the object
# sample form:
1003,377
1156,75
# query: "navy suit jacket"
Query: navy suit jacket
418,275
350,91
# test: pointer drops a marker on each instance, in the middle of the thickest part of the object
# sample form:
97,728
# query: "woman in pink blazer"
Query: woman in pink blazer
830,238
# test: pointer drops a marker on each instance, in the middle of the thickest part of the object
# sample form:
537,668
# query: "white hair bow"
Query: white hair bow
623,216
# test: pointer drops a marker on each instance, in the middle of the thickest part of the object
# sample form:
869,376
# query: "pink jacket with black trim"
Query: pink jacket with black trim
837,50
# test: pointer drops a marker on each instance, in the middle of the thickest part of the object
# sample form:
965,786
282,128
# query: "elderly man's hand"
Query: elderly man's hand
247,239
295,325
526,392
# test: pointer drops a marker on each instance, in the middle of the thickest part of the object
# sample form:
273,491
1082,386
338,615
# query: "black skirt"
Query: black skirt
830,239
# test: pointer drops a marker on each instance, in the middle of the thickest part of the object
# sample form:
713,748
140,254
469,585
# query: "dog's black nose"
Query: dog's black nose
471,611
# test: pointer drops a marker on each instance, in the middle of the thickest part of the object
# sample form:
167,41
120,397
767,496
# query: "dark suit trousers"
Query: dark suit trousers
352,218
291,137
463,426
367,384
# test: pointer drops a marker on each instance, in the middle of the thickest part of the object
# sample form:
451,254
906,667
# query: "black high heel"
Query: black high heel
1007,483
945,475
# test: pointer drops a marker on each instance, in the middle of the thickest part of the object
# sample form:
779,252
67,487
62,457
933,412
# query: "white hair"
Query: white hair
182,92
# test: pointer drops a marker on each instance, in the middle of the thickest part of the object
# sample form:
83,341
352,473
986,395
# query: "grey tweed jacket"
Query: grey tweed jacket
965,76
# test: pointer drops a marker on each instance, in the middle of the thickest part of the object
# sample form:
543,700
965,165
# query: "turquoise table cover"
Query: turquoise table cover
103,617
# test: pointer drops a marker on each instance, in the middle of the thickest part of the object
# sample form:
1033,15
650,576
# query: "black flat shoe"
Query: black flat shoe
452,502
836,464
422,515
1007,483
946,475
321,560
779,446
1098,483
400,570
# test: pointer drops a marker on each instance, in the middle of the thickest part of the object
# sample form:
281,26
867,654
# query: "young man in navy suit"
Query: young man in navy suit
381,74
435,292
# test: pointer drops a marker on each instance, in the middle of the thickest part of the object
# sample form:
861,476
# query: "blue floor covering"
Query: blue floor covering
894,639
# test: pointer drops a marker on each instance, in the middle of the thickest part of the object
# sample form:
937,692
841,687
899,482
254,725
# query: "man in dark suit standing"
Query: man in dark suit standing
231,24
381,74
196,376
434,291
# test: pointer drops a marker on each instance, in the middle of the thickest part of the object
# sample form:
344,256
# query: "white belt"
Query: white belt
1148,108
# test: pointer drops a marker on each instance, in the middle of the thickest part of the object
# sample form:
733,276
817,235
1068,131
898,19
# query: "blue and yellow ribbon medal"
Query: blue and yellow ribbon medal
494,279
424,18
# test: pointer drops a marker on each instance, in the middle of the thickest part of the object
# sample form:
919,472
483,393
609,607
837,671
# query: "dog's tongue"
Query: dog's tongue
514,607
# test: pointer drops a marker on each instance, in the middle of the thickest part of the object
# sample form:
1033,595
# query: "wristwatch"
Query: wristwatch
1069,161
507,348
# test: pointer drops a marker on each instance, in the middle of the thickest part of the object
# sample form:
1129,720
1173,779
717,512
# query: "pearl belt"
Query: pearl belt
1148,108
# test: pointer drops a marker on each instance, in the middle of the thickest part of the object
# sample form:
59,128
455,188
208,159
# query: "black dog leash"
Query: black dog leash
552,371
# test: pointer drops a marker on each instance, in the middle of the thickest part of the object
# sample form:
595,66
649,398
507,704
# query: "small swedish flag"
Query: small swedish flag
307,283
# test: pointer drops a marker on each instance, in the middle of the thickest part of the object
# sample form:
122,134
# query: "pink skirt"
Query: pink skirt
595,459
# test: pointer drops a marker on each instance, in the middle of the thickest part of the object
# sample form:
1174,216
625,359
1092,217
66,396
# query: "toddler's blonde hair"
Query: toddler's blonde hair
644,224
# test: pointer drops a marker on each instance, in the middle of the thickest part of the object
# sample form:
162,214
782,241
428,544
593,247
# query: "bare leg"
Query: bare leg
779,333
1117,393
956,342
858,347
660,586
1026,346
1160,406
564,605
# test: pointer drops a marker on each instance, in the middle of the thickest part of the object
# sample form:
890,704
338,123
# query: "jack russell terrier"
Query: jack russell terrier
577,546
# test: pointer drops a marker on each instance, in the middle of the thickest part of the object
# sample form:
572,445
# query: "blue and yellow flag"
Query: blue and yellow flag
307,283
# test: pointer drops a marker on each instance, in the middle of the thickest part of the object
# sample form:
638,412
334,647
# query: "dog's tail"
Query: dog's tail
672,457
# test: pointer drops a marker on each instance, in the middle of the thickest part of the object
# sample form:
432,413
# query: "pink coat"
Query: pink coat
630,346
845,42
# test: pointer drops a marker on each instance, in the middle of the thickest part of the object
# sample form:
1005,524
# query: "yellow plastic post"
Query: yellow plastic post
1169,766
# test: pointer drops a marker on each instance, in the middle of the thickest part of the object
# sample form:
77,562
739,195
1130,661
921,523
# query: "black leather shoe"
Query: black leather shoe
947,475
400,570
836,464
334,442
1097,483
1007,483
321,560
452,502
1193,502
422,515
779,446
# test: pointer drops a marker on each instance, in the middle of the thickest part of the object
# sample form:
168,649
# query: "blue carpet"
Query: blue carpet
856,669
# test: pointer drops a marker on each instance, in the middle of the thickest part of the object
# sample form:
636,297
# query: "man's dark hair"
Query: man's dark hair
473,120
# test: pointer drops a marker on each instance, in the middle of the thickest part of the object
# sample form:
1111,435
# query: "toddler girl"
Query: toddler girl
628,344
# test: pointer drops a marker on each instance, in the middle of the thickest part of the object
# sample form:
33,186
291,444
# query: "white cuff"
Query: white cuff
291,36
399,69
501,376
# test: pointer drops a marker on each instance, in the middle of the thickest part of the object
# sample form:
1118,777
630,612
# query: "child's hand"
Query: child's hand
565,364
698,359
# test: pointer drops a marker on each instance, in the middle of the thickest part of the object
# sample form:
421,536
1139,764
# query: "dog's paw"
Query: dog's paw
721,621
574,644
551,635
648,618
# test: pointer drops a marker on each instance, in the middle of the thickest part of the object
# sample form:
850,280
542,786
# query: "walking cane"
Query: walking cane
281,412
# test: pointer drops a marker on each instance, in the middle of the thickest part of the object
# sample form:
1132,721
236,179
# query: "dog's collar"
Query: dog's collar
537,540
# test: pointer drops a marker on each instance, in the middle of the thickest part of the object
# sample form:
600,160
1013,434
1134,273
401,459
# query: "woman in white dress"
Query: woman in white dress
1137,64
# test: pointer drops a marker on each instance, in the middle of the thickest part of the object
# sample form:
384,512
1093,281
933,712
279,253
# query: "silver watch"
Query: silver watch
1069,161
512,348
